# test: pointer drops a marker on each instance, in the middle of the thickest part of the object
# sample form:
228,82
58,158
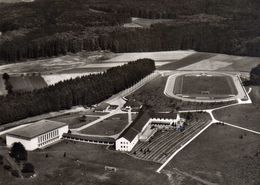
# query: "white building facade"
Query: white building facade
37,135
124,145
142,130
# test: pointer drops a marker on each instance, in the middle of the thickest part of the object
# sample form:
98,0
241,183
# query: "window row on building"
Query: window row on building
48,136
48,141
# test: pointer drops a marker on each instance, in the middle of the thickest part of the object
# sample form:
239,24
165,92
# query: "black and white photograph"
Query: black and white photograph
129,92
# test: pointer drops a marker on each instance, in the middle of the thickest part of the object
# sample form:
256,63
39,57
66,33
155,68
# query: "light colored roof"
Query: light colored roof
35,129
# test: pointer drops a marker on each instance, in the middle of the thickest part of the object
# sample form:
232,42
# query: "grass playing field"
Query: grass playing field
110,126
201,86
75,120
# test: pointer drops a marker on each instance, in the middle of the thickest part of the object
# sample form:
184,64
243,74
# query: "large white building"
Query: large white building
37,135
141,129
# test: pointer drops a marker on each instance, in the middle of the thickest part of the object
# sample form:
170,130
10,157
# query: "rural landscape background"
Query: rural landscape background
84,62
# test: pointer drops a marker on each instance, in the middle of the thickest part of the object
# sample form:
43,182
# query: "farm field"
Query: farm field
186,61
27,83
2,86
75,120
85,164
222,62
193,85
55,78
220,155
110,126
57,64
157,56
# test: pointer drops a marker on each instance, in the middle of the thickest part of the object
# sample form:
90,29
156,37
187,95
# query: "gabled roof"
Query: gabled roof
171,115
36,129
138,124
102,106
136,127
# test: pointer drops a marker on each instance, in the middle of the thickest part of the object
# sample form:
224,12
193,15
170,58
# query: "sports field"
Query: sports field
193,85
110,126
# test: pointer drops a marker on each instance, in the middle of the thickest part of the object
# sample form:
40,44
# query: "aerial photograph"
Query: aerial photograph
129,92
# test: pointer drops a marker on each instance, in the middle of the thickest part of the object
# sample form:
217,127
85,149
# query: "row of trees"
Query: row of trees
201,37
86,90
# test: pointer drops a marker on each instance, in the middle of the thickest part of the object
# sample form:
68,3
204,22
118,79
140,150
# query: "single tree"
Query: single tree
18,152
28,168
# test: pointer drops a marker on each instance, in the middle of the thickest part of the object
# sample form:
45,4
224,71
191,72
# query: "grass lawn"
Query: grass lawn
74,120
110,126
247,116
84,165
221,156
195,85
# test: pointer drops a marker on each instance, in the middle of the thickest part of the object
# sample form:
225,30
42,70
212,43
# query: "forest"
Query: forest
46,28
87,91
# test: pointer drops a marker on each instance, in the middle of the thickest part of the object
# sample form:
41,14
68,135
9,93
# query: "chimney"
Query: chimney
129,109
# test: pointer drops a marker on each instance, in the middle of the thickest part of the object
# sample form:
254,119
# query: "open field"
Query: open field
247,116
75,120
221,155
157,56
243,115
27,83
57,64
110,126
2,86
55,78
212,86
186,61
222,62
84,164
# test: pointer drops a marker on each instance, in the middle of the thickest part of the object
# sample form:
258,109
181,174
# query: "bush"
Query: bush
15,173
18,152
28,168
7,167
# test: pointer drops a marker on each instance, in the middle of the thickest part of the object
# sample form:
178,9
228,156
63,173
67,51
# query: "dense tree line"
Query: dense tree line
87,90
255,76
47,28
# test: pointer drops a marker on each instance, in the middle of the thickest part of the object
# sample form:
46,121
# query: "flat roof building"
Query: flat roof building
37,135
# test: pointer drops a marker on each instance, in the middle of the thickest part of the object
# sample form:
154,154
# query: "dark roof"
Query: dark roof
90,138
138,124
35,129
133,104
136,127
164,115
